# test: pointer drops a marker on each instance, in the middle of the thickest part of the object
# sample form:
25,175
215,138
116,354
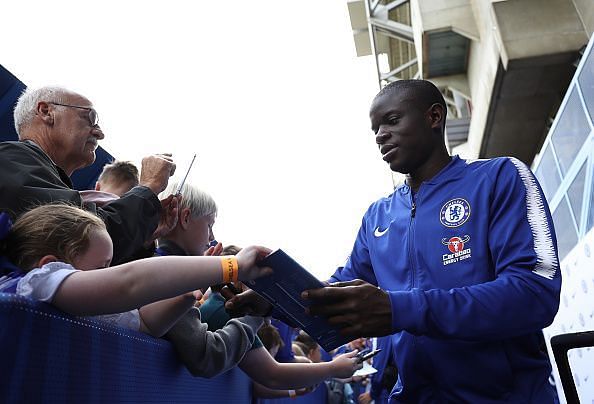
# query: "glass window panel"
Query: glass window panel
586,82
564,228
575,193
571,131
548,174
590,223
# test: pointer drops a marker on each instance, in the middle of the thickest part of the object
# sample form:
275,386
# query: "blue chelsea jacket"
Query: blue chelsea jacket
471,267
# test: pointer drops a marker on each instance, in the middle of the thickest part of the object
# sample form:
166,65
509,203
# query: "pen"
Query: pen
181,184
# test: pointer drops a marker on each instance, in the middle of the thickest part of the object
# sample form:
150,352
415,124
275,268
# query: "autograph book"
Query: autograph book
283,290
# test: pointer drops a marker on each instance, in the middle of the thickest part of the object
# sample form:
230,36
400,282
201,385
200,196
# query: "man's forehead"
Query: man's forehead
77,99
393,100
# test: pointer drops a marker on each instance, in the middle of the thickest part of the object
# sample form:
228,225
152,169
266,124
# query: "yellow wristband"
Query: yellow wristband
230,268
292,394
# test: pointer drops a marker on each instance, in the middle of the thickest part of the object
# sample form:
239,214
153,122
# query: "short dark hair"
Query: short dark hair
270,336
231,249
424,93
308,343
119,172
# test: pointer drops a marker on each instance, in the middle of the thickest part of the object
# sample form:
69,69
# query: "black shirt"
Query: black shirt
28,178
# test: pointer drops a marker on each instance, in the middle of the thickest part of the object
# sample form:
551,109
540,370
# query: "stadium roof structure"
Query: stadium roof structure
503,66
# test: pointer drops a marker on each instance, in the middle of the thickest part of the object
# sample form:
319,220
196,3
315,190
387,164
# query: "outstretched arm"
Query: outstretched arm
263,369
135,284
264,392
158,318
206,353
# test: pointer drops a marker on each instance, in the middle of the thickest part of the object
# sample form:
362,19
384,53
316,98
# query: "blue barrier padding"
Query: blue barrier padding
10,90
318,396
49,356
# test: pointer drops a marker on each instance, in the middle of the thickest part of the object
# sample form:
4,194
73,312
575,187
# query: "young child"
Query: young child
65,253
271,378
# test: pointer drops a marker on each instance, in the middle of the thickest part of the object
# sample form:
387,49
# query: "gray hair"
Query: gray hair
199,202
26,106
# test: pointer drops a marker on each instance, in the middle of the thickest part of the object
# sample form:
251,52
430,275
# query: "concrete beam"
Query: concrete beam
399,69
401,31
523,97
394,4
455,15
531,28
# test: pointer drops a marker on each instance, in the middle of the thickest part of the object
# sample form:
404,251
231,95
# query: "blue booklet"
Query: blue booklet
283,290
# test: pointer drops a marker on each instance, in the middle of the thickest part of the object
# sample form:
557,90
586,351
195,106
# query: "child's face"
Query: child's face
200,234
315,355
99,253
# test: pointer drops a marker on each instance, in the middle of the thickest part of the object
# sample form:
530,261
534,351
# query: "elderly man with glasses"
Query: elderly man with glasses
58,133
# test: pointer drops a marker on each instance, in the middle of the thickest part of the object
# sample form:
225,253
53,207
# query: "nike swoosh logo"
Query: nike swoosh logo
378,233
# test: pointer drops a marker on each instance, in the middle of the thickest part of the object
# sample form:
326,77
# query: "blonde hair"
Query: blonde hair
199,202
118,172
60,229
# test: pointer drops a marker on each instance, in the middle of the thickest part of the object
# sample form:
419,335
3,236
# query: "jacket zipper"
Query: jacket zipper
413,211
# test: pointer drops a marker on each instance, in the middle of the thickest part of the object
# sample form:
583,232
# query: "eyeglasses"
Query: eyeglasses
93,117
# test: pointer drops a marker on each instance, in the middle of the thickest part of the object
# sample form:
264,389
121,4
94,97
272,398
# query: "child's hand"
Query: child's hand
194,296
247,258
345,365
365,398
305,390
197,295
214,250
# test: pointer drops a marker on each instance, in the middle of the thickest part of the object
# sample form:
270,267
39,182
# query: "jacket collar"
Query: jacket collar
452,170
63,176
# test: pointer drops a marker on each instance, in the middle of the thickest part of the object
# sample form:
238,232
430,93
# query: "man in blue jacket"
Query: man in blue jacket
459,263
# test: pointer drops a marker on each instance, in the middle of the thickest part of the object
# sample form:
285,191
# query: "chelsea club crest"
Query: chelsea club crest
454,213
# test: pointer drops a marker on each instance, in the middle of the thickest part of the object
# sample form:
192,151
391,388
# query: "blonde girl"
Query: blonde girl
65,253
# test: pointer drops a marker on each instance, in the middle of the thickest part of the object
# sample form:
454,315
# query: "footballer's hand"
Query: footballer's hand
248,302
358,308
